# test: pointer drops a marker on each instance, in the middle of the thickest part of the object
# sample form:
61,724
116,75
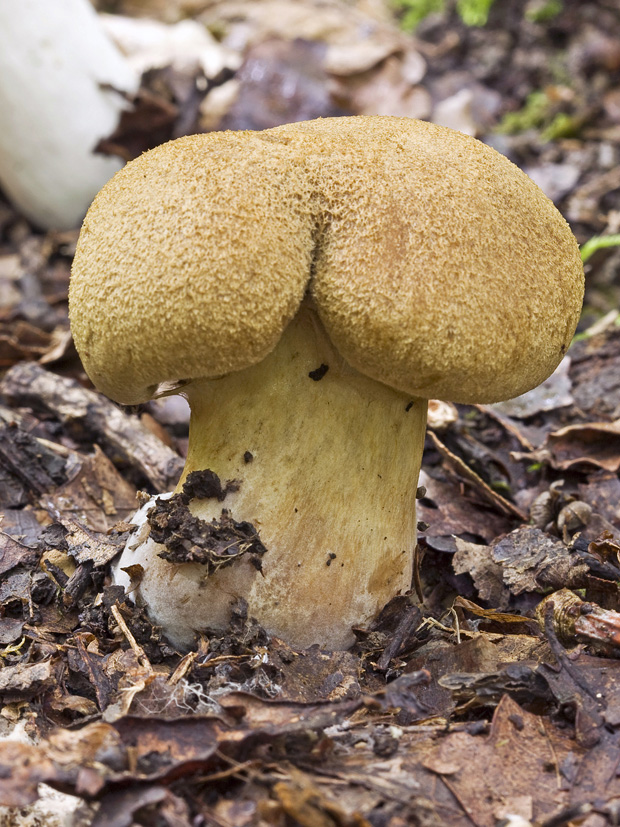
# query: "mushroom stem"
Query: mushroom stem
328,462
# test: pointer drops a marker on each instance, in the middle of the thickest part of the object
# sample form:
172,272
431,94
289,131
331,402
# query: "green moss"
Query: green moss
501,487
532,115
474,12
539,113
543,11
413,12
562,126
471,12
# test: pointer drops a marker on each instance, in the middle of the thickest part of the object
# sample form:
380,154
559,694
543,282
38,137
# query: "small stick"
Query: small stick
185,664
137,649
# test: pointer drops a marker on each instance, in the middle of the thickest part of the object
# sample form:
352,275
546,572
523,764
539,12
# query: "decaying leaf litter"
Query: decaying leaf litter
487,695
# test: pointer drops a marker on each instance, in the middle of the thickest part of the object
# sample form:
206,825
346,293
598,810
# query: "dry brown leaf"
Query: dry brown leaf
477,561
592,444
21,340
96,497
489,614
532,560
28,679
449,512
478,776
13,553
308,806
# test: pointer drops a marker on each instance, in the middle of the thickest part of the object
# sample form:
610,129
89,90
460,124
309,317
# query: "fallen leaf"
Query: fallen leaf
22,769
487,574
10,629
481,783
21,340
592,444
533,561
13,553
96,497
465,472
186,45
448,512
280,81
27,680
307,805
89,416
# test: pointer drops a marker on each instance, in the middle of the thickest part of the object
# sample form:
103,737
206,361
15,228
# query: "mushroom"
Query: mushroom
63,87
308,288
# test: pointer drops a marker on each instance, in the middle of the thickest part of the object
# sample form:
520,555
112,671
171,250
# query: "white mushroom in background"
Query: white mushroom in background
62,87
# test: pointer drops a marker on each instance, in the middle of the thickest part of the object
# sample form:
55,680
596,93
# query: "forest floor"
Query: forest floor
488,696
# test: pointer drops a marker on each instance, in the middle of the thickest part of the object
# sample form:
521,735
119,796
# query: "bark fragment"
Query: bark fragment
90,417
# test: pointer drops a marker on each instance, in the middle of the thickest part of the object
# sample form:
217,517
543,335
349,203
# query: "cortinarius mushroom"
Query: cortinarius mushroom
310,287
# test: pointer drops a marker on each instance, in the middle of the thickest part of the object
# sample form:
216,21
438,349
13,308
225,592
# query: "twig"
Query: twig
410,618
185,664
137,649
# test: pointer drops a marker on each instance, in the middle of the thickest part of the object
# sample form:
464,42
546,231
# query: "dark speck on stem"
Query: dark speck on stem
317,374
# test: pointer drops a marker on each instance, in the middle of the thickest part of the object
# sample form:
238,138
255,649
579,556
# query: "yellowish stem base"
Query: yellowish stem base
330,489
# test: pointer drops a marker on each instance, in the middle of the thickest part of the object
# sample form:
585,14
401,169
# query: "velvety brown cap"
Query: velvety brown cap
436,265
190,263
442,269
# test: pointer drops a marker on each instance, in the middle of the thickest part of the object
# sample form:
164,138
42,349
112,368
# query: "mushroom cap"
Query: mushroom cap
435,264
190,263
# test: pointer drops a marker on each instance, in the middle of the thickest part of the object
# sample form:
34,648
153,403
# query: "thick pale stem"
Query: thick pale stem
330,487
